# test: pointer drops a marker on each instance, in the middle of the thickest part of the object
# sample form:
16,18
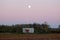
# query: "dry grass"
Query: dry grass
29,36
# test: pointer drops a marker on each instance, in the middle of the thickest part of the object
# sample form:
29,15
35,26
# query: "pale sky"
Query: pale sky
17,12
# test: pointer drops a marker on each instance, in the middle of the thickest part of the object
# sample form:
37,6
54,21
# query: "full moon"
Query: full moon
29,6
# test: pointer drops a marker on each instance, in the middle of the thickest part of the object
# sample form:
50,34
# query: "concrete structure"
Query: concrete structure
28,30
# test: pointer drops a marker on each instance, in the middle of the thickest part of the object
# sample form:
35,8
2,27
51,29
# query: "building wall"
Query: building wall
28,30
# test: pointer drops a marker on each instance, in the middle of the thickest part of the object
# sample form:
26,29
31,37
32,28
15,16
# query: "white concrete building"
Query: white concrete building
28,30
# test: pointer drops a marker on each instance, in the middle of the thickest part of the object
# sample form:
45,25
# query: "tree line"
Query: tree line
38,28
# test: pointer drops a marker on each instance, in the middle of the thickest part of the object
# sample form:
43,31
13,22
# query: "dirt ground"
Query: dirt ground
29,36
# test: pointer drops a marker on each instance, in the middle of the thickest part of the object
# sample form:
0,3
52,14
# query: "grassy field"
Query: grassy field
9,36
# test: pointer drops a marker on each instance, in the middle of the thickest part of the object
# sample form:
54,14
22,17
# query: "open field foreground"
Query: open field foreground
29,36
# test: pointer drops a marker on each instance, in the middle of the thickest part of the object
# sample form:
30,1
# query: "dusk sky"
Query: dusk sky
30,11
